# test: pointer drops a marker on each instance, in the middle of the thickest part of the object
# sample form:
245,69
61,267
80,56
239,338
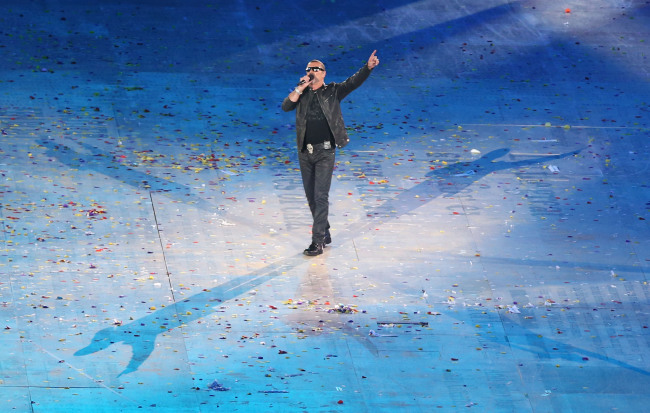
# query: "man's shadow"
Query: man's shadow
524,339
93,159
141,334
450,180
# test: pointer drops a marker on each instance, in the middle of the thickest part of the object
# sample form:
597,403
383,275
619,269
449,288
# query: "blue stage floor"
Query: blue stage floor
491,248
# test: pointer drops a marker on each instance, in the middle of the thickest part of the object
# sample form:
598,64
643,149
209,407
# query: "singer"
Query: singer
319,130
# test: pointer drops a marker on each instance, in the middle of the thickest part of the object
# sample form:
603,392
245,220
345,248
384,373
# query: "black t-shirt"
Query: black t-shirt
318,130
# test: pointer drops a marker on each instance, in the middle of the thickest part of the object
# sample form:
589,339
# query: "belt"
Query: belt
324,145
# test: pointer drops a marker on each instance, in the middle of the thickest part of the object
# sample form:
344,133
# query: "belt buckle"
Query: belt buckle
310,148
327,145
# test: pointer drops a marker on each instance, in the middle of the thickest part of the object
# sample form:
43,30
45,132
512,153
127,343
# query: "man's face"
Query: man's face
317,70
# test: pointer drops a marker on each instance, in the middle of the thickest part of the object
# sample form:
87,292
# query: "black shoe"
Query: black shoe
328,239
314,249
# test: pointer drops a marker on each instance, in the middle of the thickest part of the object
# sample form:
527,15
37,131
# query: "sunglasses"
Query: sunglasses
314,69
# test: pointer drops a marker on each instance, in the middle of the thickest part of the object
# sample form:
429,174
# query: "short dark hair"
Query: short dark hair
321,63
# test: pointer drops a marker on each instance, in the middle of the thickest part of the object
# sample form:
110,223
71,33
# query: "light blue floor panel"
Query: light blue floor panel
489,217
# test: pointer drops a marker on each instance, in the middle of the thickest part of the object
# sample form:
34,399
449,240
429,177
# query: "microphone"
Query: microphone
311,77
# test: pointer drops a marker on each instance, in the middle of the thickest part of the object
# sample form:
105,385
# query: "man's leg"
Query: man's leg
324,168
307,170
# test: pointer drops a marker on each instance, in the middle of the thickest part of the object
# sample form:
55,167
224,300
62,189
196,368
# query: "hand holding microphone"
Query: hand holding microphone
307,78
300,87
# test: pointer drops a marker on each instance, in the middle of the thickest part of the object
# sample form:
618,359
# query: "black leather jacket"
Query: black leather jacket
330,96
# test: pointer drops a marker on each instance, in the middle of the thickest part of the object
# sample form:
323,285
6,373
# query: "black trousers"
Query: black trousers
316,169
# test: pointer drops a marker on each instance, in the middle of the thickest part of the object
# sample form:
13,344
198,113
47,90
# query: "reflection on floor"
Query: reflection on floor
489,216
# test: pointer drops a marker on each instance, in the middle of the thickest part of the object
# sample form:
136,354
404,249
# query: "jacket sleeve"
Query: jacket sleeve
288,105
353,82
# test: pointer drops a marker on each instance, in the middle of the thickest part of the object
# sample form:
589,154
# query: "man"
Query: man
319,130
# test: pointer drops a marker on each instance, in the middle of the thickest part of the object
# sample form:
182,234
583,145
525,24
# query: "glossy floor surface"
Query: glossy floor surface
489,217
